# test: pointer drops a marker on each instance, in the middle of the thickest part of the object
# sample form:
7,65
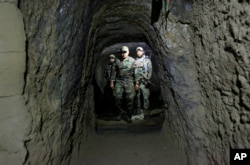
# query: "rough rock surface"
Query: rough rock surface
202,53
58,93
222,53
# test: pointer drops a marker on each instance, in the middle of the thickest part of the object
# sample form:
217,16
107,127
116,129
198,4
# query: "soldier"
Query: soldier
108,92
143,72
109,67
123,77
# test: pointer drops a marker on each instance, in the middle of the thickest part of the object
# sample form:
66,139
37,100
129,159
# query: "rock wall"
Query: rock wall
14,118
222,53
207,63
57,93
179,82
218,63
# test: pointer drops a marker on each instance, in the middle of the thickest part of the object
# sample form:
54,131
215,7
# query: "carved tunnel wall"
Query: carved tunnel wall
202,54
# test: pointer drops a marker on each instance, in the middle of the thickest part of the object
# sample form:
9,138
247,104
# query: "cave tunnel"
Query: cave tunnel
104,105
49,54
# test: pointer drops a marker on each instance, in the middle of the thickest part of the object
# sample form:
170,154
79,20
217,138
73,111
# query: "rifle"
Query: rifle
146,80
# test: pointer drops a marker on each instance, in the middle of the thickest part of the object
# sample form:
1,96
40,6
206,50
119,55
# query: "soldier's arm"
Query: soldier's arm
150,69
136,75
113,76
135,72
113,72
117,62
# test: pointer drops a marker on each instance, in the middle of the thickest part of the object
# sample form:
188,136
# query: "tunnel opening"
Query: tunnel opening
104,96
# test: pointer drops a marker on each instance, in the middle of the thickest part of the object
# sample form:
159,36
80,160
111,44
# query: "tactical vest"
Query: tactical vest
125,69
143,68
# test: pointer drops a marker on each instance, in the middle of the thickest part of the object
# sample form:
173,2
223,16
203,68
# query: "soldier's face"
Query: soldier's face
111,59
125,54
139,53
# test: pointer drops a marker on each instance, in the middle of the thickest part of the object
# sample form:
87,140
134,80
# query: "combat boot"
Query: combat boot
138,115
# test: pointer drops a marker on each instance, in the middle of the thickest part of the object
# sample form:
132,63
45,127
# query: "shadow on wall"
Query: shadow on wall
100,83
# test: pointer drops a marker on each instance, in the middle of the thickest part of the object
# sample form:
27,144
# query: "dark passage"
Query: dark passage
105,108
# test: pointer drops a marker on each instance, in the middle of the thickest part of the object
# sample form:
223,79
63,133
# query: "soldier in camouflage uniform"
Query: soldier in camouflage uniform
143,72
108,92
109,67
123,78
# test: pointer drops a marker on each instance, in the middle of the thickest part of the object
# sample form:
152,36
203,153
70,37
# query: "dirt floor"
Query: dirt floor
128,149
117,143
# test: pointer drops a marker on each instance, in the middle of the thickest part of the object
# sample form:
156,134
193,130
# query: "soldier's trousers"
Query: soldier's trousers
129,91
145,95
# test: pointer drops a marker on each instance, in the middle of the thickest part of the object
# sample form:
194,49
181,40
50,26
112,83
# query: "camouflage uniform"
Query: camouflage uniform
143,72
108,71
123,76
108,92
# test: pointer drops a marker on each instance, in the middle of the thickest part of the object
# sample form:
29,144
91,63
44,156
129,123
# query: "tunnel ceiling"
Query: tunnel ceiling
119,21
